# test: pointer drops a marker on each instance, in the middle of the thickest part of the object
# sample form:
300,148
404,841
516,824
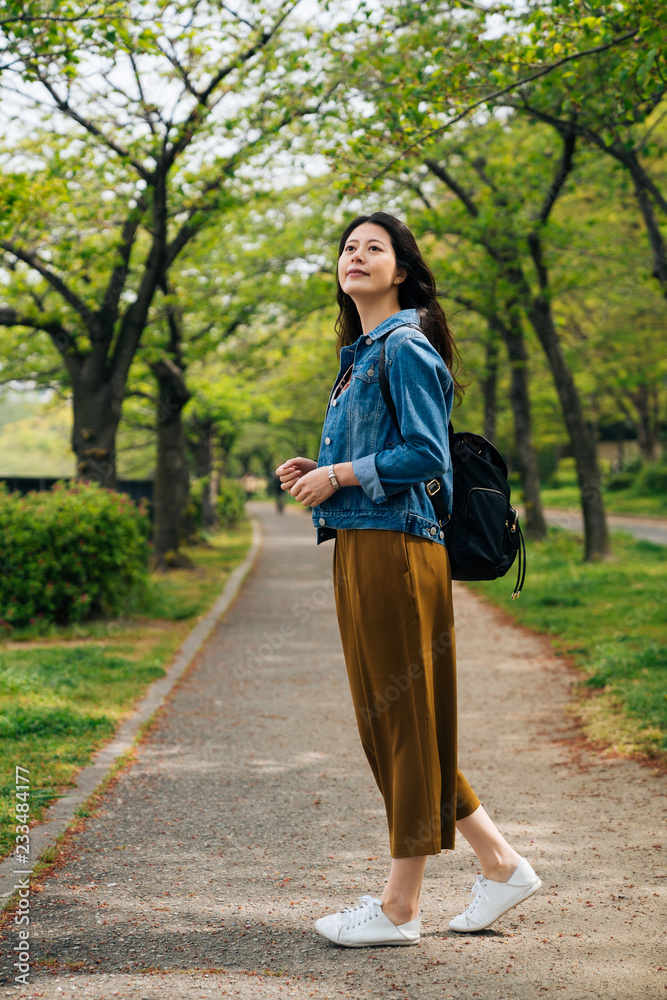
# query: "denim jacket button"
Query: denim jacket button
441,534
322,521
369,340
370,372
327,440
433,530
333,402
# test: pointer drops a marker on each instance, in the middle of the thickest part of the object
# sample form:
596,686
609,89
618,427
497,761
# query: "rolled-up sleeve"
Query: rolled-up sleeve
423,393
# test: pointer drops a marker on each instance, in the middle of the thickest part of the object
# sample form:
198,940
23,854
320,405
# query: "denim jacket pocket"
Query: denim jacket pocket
367,370
365,390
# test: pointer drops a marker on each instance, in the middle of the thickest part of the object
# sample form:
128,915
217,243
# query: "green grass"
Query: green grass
56,706
64,693
616,501
610,618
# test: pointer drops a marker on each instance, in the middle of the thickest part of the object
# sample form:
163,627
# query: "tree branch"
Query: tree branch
155,267
30,18
443,175
142,98
238,17
202,97
498,93
534,238
138,394
173,59
90,126
189,229
617,149
63,341
562,172
414,186
462,300
35,377
116,283
479,163
33,261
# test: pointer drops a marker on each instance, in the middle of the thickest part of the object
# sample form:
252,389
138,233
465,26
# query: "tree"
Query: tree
497,217
235,287
174,116
610,102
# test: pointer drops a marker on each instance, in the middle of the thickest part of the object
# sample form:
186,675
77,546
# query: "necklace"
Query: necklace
343,382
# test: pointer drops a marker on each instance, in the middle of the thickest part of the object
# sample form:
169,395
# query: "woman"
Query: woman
392,579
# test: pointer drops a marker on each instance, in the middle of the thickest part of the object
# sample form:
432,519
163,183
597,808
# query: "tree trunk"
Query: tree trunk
647,425
96,414
582,440
655,239
202,447
171,487
620,450
210,501
490,386
534,523
645,190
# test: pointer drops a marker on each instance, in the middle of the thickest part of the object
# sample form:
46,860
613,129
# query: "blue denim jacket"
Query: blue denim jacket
391,467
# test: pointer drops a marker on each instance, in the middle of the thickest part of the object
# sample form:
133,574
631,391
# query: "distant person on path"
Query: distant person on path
276,491
392,580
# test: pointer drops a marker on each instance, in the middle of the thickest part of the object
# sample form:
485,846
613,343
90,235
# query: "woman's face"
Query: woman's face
367,265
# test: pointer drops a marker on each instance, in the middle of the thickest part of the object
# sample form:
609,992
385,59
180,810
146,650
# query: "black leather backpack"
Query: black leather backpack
482,533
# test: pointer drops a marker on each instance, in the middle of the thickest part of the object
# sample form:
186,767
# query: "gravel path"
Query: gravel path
250,811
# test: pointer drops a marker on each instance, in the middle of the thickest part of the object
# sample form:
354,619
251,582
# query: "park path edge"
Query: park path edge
60,815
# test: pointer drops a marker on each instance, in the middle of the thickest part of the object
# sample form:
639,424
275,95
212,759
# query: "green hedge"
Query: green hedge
230,506
621,481
69,553
653,479
565,474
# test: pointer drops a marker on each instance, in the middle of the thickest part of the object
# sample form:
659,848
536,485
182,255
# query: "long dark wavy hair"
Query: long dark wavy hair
417,291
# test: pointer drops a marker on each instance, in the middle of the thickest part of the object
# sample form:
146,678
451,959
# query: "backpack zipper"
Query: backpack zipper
482,489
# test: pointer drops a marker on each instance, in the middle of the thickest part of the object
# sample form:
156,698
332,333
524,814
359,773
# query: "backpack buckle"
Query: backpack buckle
436,486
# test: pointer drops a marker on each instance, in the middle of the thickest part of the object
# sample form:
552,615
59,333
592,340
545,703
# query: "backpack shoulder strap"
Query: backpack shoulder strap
432,486
386,393
384,381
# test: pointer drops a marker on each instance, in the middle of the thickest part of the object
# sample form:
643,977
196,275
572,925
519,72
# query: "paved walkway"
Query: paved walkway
651,529
250,811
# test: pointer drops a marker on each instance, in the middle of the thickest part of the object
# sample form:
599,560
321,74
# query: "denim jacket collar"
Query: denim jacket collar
404,316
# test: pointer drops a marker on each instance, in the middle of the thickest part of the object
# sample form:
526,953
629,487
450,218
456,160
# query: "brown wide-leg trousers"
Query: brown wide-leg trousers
394,605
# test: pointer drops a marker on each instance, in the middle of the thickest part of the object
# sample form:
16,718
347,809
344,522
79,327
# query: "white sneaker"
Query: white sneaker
365,925
491,899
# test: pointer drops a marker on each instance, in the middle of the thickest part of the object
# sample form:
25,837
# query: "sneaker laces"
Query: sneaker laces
477,892
356,915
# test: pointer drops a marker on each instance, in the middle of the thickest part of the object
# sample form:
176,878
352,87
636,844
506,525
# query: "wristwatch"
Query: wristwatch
332,478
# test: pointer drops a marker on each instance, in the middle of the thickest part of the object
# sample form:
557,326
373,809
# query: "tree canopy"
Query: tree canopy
176,176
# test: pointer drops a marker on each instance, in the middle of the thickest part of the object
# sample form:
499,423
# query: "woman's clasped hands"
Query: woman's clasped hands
305,481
